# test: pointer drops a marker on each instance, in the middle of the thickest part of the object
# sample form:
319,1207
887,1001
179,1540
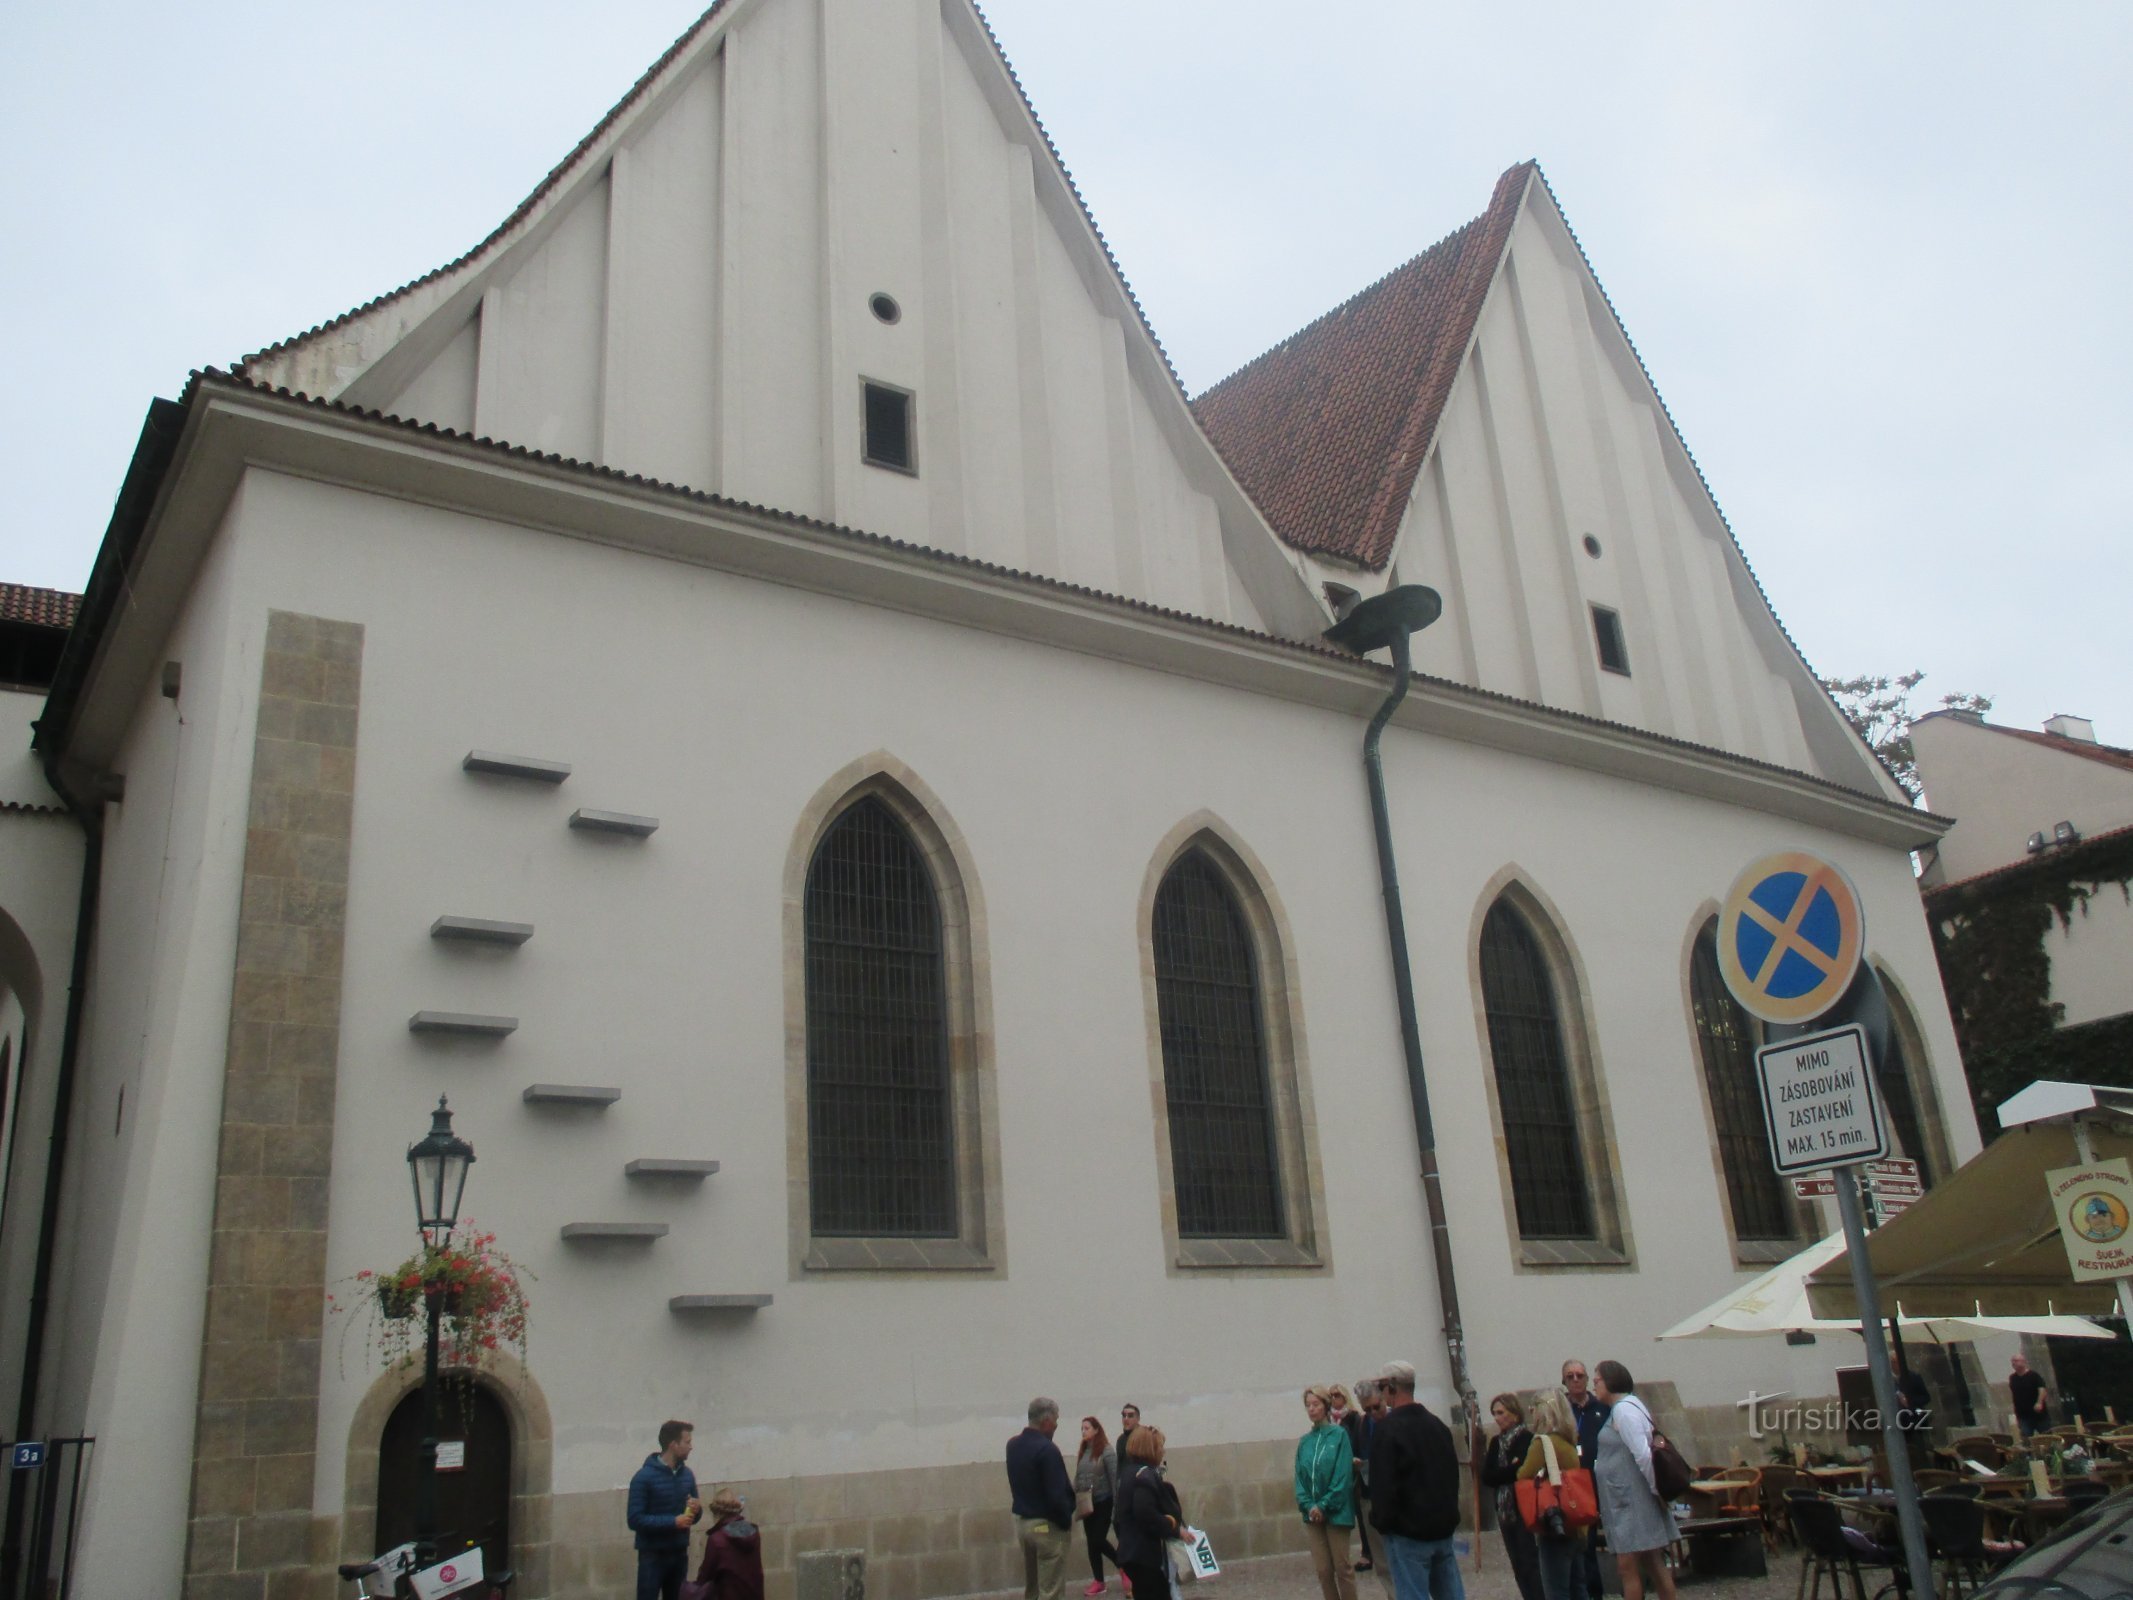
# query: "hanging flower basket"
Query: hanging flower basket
480,1294
399,1304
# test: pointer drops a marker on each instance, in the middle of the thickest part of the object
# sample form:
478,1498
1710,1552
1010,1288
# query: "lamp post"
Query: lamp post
438,1164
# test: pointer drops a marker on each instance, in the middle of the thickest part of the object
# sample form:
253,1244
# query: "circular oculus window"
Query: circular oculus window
885,308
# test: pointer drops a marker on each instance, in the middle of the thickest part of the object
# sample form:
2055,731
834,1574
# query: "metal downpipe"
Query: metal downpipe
1440,1233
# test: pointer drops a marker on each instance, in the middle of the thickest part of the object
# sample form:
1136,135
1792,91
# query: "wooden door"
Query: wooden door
473,1502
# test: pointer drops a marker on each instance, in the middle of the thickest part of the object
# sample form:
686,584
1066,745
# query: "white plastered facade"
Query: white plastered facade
714,666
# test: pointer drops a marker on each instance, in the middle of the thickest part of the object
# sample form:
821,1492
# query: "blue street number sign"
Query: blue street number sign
26,1455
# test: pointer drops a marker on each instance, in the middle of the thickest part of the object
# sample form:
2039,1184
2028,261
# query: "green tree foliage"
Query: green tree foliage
1880,708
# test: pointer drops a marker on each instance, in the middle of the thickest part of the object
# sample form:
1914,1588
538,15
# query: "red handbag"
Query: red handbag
1570,1492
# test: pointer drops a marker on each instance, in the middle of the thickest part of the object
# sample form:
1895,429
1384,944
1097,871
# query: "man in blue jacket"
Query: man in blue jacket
662,1509
1590,1411
1043,1502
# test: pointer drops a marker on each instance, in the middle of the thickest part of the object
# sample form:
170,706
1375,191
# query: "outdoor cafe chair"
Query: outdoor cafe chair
1746,1500
1776,1483
1819,1522
1982,1448
1955,1531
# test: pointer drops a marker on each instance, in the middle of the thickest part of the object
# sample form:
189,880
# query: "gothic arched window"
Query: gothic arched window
880,1119
1224,1165
1535,1096
1908,1095
1726,1039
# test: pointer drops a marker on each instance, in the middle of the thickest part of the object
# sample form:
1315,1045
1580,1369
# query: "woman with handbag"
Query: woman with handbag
1095,1478
1325,1494
1558,1547
1499,1471
1147,1516
1639,1525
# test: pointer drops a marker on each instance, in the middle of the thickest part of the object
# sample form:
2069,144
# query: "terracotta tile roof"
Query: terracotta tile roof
2059,860
2109,754
1327,430
46,608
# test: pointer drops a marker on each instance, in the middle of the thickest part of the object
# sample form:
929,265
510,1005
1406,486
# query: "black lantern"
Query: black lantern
438,1164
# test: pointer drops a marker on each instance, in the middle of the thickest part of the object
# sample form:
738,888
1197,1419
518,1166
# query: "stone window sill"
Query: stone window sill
895,1255
1255,1254
1570,1253
1765,1252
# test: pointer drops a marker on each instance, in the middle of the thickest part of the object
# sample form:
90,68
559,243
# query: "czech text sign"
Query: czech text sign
1818,1102
2094,1204
1789,937
1815,1188
1893,1168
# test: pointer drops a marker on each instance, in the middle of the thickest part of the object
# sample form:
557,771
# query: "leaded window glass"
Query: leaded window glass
1533,1088
1726,1038
880,1124
1222,1155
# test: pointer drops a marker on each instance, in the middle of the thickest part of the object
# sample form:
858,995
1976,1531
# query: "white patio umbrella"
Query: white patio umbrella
1776,1302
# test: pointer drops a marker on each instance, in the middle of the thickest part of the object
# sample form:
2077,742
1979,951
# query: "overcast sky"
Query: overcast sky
1875,256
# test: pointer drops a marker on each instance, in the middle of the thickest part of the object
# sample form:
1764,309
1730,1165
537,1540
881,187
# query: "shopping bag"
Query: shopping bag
1570,1493
1194,1556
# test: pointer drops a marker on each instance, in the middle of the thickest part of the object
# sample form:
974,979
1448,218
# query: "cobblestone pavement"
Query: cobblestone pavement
1289,1577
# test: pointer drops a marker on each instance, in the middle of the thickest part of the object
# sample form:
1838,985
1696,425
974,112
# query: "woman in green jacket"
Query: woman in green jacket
1325,1494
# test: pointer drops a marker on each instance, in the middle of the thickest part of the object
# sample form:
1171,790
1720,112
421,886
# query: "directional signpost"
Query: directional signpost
1789,943
1892,1186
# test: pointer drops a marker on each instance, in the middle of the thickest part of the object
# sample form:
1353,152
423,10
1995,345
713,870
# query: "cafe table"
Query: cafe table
1708,1497
1828,1478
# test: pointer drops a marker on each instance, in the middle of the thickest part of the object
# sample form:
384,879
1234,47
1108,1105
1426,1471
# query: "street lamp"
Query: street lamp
438,1164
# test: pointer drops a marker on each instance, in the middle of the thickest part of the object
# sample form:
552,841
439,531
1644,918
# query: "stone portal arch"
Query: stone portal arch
525,1407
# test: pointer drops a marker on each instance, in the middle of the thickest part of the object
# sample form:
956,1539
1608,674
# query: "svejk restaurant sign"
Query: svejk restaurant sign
2094,1205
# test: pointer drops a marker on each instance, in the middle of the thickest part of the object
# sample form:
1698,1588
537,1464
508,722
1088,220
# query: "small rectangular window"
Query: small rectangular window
1607,628
887,441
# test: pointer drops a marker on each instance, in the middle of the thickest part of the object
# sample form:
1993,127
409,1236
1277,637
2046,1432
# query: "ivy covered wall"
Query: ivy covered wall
1989,934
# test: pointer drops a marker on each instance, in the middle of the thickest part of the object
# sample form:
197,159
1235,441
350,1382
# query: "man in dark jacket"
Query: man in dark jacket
1043,1502
662,1509
1414,1492
1589,1411
1361,1426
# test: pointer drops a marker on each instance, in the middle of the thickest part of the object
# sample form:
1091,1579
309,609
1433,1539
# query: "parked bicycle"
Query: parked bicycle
396,1576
